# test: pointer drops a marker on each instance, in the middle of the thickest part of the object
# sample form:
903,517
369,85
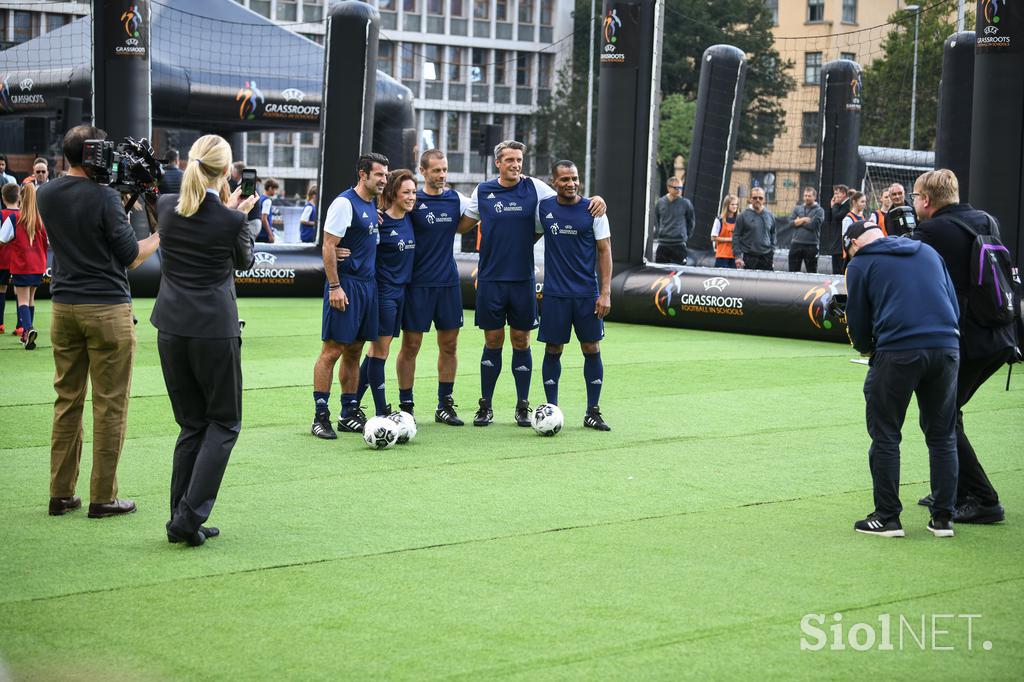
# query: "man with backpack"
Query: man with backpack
965,236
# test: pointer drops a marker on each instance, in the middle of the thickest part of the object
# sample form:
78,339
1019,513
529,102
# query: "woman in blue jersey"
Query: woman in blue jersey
394,271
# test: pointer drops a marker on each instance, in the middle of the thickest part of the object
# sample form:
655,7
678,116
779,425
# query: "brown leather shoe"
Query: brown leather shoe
62,505
115,508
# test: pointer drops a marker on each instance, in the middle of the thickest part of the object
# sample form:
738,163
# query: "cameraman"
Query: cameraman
92,328
204,241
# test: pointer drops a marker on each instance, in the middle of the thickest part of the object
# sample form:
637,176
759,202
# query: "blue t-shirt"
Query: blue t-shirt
354,221
570,247
308,233
396,251
508,216
435,220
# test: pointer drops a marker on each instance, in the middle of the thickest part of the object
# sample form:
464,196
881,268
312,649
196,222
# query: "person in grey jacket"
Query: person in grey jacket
806,219
673,224
753,240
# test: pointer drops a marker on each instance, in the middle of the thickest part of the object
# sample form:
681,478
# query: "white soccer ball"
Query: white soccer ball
547,419
380,433
406,426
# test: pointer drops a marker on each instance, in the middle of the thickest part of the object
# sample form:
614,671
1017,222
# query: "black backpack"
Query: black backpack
992,294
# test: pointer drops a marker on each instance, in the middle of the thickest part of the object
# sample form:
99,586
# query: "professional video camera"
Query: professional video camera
130,167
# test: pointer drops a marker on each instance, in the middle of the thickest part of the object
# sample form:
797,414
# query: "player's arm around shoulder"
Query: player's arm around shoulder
470,213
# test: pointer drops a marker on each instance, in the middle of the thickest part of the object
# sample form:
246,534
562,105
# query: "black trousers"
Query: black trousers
759,261
204,383
892,378
838,264
974,373
805,255
670,253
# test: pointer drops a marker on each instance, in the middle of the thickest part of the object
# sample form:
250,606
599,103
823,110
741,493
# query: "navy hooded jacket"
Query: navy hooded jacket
900,298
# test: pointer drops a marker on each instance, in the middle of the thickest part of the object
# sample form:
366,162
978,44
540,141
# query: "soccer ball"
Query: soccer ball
547,419
380,433
406,426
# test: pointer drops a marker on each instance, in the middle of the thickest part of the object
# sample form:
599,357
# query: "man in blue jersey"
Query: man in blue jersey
577,285
350,295
506,291
434,295
307,221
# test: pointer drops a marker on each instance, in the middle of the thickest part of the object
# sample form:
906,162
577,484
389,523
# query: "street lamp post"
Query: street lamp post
916,9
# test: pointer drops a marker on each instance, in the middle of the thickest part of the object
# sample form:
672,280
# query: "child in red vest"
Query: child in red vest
26,258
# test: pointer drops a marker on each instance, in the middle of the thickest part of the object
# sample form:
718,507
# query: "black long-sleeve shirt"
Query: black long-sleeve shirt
92,241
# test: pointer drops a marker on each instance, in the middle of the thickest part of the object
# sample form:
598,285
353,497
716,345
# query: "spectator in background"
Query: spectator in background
879,214
307,221
235,178
832,236
5,177
26,259
170,183
673,224
40,173
722,230
753,240
266,204
807,219
901,218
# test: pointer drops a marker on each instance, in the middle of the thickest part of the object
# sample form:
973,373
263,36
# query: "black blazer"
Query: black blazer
198,257
170,183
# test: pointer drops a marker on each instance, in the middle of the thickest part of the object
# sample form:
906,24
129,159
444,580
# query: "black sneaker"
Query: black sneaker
973,511
523,413
406,407
874,525
387,411
353,423
30,339
594,420
940,529
926,501
322,427
445,414
484,415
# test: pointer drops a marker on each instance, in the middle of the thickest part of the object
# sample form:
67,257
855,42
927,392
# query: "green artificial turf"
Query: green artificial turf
686,543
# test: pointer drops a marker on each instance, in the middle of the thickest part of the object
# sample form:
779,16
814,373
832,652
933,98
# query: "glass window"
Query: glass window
431,130
773,10
766,181
287,10
408,61
482,9
501,10
812,68
260,7
810,131
54,21
386,57
409,6
524,61
478,73
432,62
545,68
256,154
525,11
456,56
284,150
850,11
309,150
501,60
547,12
454,131
522,129
312,10
815,10
852,56
435,6
26,26
388,5
456,8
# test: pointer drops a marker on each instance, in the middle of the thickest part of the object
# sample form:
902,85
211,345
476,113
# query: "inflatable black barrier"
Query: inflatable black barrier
953,125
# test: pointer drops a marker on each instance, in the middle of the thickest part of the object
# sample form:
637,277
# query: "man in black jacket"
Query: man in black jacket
832,228
983,350
170,183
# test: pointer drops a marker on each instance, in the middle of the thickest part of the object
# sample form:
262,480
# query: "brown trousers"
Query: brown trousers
94,342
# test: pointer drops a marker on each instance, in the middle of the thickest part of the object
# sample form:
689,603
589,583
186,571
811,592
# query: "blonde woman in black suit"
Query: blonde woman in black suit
204,238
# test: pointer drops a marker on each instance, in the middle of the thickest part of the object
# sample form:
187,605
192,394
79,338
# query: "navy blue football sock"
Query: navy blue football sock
364,379
551,371
31,317
3,305
593,373
405,395
375,374
444,389
522,370
24,317
490,368
321,401
349,403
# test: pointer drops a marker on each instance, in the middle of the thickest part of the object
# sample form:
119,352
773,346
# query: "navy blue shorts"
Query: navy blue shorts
559,316
26,280
5,277
511,302
390,301
440,305
358,322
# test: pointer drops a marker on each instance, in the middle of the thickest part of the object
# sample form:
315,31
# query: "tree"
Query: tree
691,26
885,100
675,130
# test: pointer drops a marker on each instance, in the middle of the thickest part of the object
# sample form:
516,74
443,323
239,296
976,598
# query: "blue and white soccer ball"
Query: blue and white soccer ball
406,426
547,419
380,433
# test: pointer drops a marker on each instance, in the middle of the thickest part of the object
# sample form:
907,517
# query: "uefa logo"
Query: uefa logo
264,258
26,85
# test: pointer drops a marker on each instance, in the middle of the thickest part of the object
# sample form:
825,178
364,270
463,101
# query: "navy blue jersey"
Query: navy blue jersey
434,219
308,233
354,221
509,219
570,247
396,251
